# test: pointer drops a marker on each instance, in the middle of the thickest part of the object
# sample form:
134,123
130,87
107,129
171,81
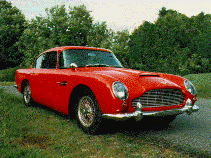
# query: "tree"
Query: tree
99,35
11,28
120,46
61,27
81,24
143,50
200,60
173,44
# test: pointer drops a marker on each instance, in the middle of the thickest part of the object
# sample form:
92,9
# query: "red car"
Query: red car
92,84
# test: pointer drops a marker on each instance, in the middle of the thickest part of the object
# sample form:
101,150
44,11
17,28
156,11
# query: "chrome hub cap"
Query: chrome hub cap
27,94
86,111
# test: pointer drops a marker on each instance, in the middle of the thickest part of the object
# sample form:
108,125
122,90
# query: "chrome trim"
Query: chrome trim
16,86
138,114
187,109
160,98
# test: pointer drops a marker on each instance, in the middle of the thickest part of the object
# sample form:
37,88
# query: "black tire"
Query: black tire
88,114
27,98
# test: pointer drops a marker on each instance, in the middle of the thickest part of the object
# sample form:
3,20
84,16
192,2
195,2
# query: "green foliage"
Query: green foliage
11,28
61,27
120,46
173,44
100,35
8,74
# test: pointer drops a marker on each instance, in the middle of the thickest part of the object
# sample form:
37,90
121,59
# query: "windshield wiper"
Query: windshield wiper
97,65
117,66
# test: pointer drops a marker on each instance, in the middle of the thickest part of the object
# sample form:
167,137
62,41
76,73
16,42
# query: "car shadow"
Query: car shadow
129,127
132,127
110,126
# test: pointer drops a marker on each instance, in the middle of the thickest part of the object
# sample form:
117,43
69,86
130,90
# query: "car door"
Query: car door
43,81
62,86
53,84
35,82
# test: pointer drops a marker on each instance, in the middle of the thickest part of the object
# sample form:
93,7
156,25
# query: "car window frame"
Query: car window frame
41,62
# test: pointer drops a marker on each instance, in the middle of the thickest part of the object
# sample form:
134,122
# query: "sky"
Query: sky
118,14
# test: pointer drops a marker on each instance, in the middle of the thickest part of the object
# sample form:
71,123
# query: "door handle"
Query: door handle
63,83
33,73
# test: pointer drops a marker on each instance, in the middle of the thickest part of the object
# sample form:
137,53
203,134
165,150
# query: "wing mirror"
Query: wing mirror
72,65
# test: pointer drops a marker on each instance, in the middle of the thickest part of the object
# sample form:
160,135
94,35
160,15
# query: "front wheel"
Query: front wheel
27,98
88,114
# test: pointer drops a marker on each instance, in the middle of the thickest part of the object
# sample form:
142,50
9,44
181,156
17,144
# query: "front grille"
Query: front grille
159,98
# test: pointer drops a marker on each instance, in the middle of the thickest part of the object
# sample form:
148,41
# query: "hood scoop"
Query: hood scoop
149,75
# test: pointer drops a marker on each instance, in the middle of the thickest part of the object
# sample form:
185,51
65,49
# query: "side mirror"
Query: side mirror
72,65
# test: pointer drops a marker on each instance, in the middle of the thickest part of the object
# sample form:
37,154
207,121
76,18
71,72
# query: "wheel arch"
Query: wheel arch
23,84
77,92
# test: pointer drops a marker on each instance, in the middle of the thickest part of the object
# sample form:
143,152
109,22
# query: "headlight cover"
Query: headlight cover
120,90
190,87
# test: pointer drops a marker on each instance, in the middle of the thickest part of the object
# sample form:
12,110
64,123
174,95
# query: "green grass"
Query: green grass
202,83
7,83
8,74
40,132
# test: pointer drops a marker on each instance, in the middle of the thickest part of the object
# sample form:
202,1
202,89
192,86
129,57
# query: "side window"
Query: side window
49,60
66,58
38,62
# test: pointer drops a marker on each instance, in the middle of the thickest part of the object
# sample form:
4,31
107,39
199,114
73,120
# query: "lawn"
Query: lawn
202,83
40,132
8,75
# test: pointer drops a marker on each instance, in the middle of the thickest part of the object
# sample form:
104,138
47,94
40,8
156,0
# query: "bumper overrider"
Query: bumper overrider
138,113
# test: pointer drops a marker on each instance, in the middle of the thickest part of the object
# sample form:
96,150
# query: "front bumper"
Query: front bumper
138,113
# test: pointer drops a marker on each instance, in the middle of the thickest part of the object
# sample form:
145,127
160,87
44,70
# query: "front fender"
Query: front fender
102,89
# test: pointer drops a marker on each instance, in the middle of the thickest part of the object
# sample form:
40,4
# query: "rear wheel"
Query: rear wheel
88,114
27,98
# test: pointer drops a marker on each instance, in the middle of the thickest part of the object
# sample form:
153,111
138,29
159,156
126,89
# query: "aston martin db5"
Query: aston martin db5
91,84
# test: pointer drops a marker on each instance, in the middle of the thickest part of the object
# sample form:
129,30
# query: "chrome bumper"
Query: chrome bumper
138,113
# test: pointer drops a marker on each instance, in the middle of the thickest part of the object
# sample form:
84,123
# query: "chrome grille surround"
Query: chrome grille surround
160,98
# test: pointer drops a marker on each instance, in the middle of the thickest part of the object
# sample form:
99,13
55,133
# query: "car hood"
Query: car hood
141,79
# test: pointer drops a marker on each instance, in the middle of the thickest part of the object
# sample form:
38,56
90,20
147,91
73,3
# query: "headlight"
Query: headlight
190,87
120,90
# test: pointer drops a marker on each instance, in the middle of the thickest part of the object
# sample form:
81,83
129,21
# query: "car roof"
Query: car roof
75,47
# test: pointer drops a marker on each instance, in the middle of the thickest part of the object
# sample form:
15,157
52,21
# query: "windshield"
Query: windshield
87,58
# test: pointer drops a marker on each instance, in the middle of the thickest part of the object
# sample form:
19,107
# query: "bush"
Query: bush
8,75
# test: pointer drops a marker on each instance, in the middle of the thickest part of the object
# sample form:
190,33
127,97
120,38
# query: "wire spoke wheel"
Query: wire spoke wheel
86,111
27,98
27,94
